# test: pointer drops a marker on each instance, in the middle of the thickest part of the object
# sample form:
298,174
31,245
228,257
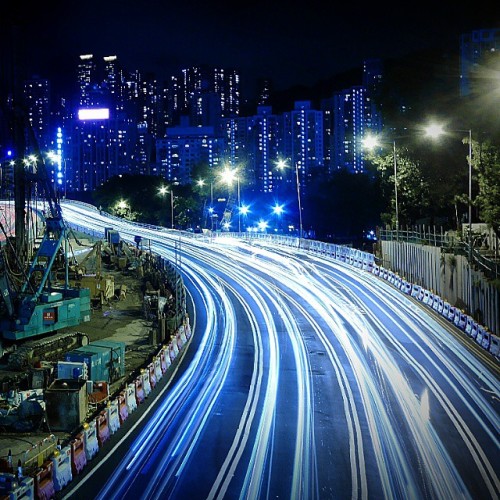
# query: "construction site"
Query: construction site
88,326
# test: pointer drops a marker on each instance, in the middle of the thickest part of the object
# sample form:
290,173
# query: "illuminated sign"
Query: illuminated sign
93,114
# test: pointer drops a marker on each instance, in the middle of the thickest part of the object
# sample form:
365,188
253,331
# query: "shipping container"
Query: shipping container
93,359
117,361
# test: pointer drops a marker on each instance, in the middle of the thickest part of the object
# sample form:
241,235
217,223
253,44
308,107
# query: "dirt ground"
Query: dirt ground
121,318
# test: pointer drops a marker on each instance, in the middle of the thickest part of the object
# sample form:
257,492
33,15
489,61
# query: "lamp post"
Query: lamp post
228,176
239,205
281,165
396,206
163,191
371,142
435,131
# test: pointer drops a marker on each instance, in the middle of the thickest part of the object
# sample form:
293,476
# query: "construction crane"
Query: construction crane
34,302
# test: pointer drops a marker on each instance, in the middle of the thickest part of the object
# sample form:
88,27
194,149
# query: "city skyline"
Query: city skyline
288,45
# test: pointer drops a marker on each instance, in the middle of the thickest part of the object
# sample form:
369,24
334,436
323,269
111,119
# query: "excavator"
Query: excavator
35,304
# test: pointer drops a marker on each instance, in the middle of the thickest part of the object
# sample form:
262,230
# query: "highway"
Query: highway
306,378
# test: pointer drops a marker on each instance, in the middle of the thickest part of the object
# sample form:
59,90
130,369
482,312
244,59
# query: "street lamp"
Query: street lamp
371,142
123,206
281,165
435,131
228,176
163,191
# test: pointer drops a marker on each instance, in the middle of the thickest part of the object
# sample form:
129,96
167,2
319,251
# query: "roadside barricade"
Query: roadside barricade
152,375
61,462
173,349
131,397
494,346
158,370
146,382
78,456
406,287
474,329
480,335
440,306
468,325
139,390
44,482
8,482
187,327
164,359
451,313
446,309
102,426
113,414
435,302
415,291
122,406
24,489
462,320
90,439
13,488
485,343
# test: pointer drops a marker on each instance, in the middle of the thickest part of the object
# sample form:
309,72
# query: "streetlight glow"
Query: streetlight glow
163,191
371,142
229,175
281,164
435,131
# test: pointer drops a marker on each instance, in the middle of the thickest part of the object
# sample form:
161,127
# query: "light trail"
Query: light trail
353,389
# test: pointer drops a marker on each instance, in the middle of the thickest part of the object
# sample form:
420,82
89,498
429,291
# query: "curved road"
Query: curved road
307,378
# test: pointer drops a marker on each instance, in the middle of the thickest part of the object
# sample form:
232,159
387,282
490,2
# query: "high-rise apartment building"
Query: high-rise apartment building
264,142
203,91
349,119
36,94
303,141
186,147
86,76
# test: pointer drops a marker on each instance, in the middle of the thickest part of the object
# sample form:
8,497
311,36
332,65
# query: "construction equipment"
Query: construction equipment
34,302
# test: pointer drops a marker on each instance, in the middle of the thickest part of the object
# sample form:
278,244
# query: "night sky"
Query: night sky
290,43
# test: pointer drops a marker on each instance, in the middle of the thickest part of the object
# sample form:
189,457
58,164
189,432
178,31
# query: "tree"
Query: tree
486,164
412,187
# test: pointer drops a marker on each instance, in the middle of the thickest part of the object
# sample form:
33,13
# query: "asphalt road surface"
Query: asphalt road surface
305,378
